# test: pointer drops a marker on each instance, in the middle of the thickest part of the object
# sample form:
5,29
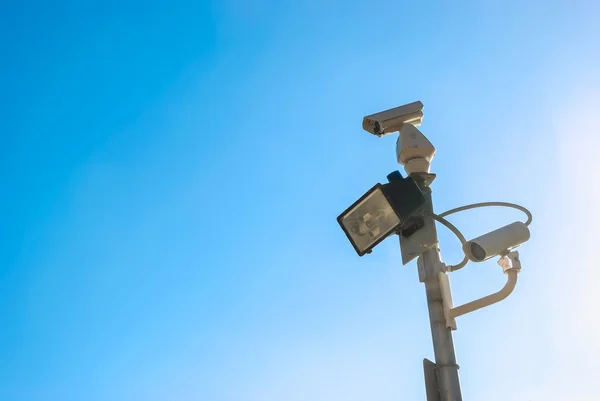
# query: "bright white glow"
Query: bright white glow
558,350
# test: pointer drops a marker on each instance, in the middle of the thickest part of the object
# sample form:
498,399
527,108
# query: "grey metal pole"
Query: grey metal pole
430,264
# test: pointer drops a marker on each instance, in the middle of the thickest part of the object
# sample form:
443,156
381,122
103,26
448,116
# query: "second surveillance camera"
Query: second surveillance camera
496,242
392,120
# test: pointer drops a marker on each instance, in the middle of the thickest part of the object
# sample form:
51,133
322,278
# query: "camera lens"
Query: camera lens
478,252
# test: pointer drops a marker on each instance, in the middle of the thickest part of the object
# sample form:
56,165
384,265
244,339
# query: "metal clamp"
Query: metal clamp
510,261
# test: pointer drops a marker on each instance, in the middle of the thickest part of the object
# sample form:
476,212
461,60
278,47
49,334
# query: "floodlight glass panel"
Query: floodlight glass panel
369,221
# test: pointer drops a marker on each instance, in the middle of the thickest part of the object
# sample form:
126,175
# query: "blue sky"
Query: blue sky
172,175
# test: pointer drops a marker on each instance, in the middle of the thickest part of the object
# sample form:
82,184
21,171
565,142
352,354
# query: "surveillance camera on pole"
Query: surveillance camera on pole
392,120
496,242
404,206
413,149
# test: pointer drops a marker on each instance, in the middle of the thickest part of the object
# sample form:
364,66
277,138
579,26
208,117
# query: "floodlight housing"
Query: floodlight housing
380,212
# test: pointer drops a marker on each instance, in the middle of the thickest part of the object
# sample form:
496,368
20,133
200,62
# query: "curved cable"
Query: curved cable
460,237
485,204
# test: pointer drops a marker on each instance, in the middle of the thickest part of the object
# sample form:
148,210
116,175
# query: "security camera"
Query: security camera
389,121
497,242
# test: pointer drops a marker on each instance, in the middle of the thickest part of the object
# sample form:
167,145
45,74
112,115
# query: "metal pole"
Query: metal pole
430,264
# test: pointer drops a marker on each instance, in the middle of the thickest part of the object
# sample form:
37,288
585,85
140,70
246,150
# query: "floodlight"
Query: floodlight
380,212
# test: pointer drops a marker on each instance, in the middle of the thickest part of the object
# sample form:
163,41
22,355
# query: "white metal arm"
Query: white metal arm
490,299
511,269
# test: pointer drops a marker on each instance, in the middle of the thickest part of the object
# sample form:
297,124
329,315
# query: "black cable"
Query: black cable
460,237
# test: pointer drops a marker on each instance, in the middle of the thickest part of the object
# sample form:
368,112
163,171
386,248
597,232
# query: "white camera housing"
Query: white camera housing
392,120
413,150
497,242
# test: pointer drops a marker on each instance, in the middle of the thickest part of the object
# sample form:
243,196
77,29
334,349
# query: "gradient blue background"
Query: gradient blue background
172,173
